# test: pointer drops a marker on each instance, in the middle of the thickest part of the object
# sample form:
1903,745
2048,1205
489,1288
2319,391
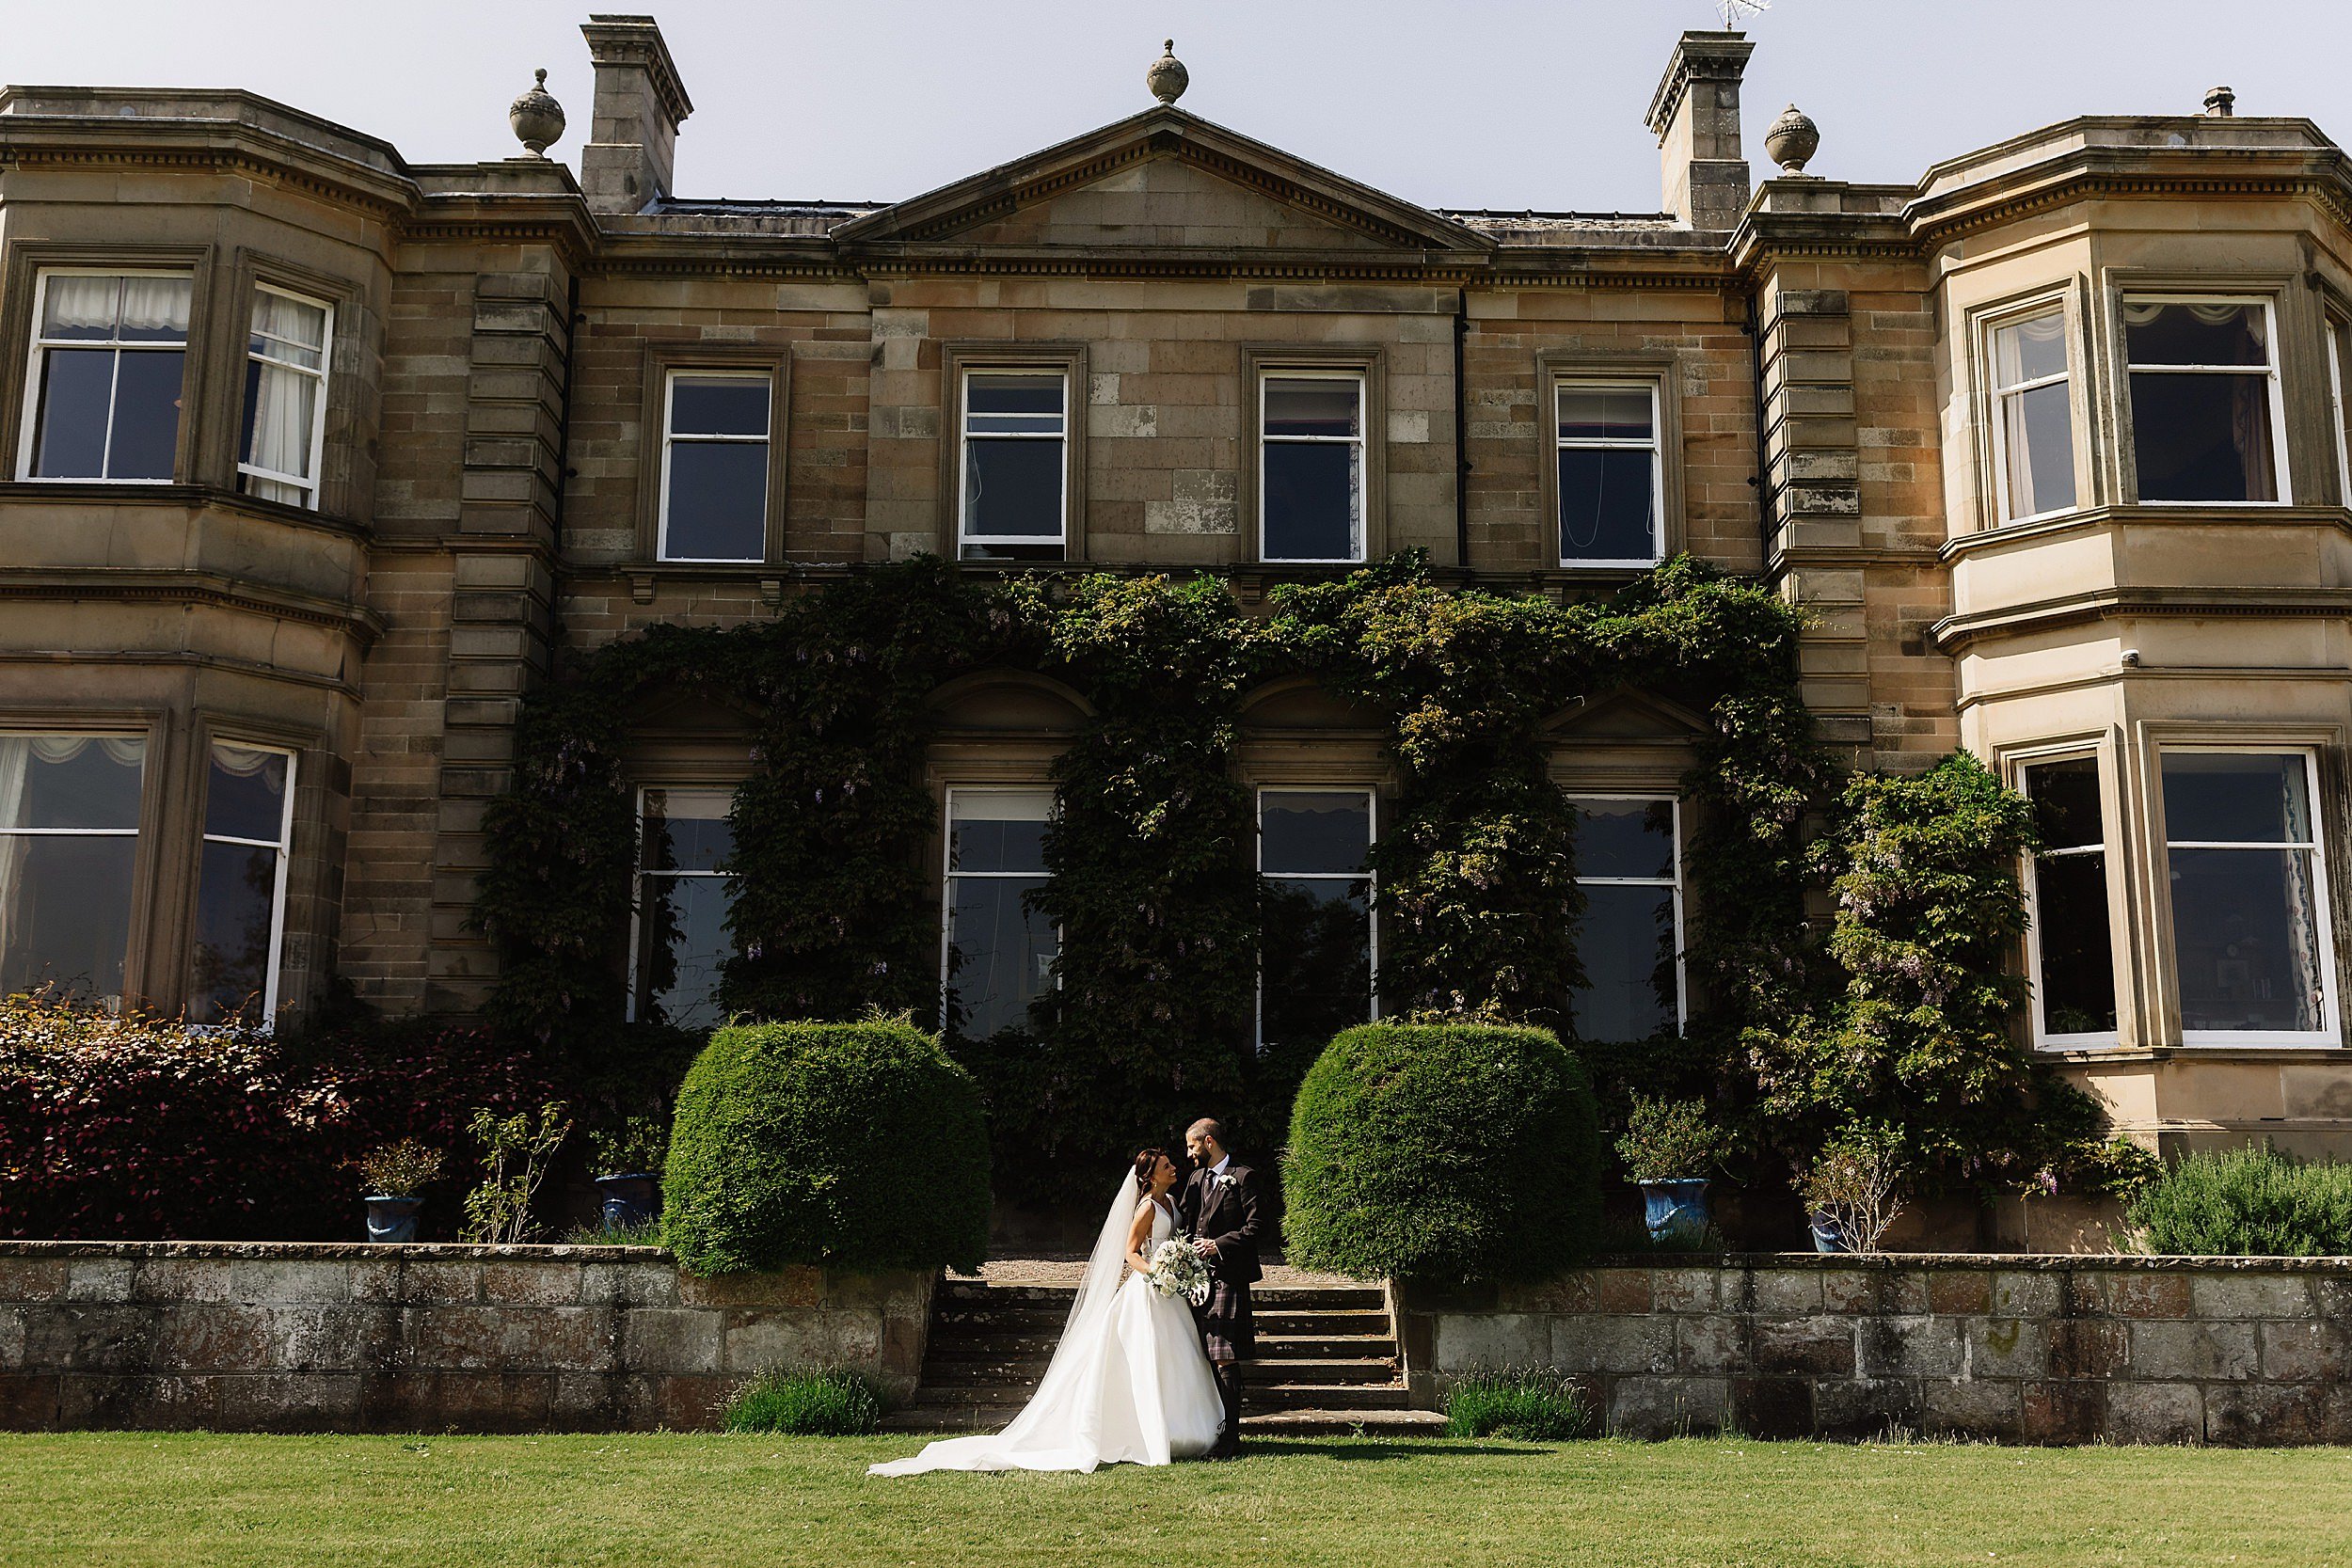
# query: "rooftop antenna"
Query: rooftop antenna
1732,11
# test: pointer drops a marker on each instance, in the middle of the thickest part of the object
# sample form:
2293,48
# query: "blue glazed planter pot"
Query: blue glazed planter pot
629,1198
392,1219
1828,1235
1675,1208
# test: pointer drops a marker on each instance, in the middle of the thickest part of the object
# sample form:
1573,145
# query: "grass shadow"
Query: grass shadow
1380,1449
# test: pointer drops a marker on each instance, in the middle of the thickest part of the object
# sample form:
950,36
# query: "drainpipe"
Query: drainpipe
1762,482
1461,438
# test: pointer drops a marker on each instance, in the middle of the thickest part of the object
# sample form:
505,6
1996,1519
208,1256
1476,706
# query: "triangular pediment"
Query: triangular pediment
1163,181
1628,716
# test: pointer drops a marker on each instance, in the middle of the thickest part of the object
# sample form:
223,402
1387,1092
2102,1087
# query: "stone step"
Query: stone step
961,1294
936,1420
1272,1347
954,1325
1327,1396
1311,1372
1024,1372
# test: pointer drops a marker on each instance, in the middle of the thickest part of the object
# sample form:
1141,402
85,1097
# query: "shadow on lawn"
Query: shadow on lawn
1361,1448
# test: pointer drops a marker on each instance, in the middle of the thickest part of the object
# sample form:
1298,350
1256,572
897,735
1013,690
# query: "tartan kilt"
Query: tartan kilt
1228,1330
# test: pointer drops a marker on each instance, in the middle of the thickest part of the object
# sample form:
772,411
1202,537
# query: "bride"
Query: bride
1129,1381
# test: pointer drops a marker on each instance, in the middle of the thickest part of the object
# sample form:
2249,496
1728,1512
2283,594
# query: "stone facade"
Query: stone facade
322,1338
1827,412
2000,1348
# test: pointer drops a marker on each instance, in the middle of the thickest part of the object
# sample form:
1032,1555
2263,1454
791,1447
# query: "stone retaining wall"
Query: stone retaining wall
296,1337
2011,1348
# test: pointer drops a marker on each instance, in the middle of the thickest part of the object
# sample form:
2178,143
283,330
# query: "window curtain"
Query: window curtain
2295,811
279,425
2249,433
16,754
82,307
156,307
2009,368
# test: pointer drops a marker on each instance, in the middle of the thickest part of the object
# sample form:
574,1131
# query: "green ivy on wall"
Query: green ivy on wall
1151,871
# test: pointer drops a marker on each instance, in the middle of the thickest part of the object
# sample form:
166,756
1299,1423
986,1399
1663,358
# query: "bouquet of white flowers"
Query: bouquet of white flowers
1179,1270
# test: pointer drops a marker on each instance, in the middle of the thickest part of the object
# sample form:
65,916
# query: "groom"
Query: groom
1219,1208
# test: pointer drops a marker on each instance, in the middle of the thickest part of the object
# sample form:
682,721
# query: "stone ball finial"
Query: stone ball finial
1793,139
1168,78
536,117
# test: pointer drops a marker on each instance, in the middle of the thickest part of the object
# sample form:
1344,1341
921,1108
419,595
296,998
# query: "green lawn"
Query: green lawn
197,1499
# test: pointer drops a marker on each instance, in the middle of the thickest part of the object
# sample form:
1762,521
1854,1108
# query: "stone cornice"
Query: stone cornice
126,585
1955,633
77,142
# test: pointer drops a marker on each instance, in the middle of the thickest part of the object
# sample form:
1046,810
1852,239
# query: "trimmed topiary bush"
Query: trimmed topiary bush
850,1145
1447,1152
2248,1202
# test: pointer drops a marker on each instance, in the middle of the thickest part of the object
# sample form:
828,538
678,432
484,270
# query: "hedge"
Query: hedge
1449,1152
850,1145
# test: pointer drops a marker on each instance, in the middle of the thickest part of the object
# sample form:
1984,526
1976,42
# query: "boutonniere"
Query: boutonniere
1225,1181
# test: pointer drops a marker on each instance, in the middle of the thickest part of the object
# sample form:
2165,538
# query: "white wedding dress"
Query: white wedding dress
1129,1383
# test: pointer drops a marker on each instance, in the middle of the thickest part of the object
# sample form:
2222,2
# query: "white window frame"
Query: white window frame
638,873
2282,492
2339,330
284,844
1655,446
1367,877
949,876
1359,525
318,413
2329,1033
2004,505
2044,1038
37,359
764,440
1059,539
1674,807
133,833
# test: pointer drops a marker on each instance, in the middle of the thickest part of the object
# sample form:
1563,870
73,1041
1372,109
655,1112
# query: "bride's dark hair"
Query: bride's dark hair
1148,1161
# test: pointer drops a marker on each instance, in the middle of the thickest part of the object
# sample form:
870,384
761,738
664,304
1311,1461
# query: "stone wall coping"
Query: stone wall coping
328,1252
2054,1262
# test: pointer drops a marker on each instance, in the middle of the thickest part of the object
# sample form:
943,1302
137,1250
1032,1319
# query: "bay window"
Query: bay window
2070,943
2252,951
2207,422
2033,417
2339,404
1015,500
69,847
1610,481
1629,865
684,884
1311,465
241,885
997,950
109,359
1318,943
285,398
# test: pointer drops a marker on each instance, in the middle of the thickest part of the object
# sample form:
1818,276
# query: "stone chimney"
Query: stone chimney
1695,116
632,135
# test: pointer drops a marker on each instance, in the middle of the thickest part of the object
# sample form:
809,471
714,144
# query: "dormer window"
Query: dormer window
109,356
2204,400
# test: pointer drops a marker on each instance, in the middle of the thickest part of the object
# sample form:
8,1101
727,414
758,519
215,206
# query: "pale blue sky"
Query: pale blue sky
1449,103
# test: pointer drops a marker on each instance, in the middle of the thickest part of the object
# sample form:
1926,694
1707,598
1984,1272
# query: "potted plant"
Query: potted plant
1668,1147
630,1159
393,1179
1854,1189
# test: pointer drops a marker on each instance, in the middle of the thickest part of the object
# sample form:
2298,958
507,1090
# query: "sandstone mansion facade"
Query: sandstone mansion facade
320,461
